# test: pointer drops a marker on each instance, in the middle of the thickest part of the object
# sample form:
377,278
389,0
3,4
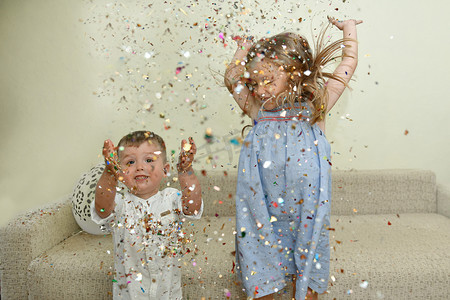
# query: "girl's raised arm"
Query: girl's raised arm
347,66
235,81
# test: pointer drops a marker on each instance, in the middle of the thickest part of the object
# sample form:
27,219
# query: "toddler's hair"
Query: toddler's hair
306,78
137,138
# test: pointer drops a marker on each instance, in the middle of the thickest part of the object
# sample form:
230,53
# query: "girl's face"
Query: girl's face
266,81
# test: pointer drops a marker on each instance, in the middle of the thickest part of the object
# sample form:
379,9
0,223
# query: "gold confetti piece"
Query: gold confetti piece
273,219
187,147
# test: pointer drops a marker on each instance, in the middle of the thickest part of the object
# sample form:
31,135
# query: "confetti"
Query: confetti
238,88
187,147
178,70
235,142
364,284
227,293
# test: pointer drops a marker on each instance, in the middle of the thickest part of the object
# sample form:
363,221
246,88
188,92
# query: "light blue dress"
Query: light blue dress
283,203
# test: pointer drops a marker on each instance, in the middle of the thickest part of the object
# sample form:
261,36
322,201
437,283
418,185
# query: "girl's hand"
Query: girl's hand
186,157
340,24
244,42
111,158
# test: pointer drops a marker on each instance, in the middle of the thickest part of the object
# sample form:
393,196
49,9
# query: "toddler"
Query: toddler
145,221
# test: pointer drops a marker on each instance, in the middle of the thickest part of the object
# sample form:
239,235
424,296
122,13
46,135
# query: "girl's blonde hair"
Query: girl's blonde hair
307,80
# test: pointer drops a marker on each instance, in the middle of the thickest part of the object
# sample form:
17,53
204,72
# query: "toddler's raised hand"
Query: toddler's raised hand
111,159
186,157
340,24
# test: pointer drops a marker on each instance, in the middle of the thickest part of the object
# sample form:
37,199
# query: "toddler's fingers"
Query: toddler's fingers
193,146
186,146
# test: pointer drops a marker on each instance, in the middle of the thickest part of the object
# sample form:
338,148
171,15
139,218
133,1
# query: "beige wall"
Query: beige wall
65,66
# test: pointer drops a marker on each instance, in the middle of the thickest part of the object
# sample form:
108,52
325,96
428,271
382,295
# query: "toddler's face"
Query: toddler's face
143,168
266,81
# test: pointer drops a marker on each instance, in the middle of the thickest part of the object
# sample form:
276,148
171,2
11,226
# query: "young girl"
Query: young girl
284,177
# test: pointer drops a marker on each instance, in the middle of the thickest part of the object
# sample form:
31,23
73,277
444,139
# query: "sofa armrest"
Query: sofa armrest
28,236
443,200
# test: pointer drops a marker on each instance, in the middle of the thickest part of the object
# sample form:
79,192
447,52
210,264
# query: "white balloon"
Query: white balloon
82,197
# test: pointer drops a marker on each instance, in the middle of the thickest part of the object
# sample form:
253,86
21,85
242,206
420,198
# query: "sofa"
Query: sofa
389,239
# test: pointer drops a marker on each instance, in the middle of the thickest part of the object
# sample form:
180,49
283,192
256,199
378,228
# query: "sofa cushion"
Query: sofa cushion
383,192
400,257
77,268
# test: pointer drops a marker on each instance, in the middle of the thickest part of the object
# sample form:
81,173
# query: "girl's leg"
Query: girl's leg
294,278
311,295
266,297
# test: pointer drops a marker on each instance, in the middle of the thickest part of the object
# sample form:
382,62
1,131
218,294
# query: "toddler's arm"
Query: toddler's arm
235,81
347,66
105,192
191,197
